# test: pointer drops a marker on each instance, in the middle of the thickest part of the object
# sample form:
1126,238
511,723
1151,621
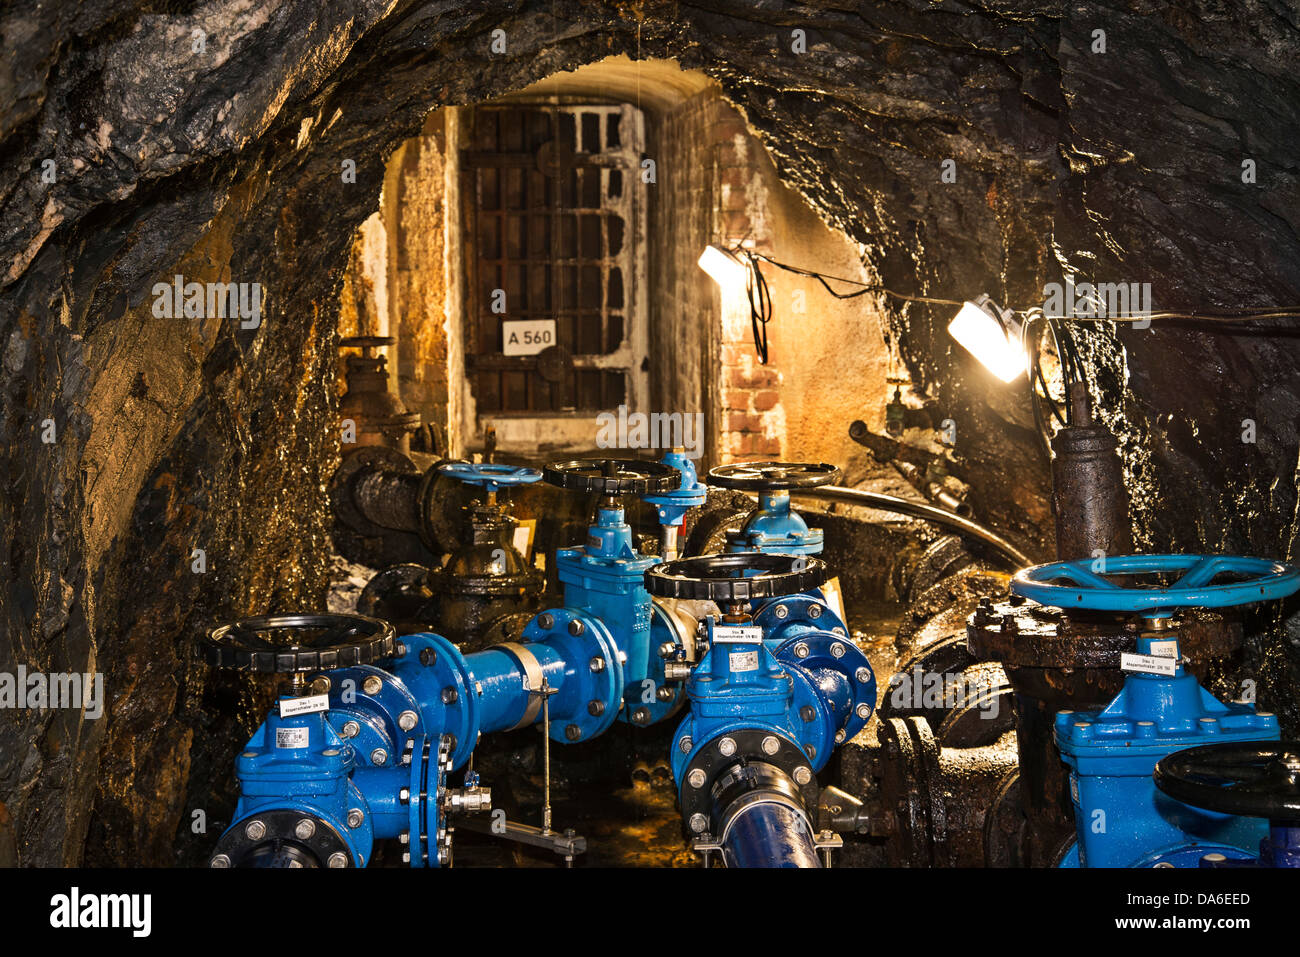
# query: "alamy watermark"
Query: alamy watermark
179,299
652,430
76,910
38,691
918,689
1103,300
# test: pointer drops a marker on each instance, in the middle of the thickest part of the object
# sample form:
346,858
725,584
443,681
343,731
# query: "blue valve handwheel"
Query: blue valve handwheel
490,476
1075,584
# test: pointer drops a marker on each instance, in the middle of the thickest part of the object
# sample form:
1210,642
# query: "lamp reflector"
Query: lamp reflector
991,335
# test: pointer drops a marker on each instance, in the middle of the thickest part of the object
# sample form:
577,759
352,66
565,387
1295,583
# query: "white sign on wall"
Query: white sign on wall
527,337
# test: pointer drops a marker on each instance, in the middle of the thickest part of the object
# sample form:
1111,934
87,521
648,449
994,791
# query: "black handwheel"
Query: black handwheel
1249,778
284,644
773,476
735,577
613,476
367,342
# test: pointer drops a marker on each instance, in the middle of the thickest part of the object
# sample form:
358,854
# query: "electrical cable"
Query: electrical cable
1067,351
1279,312
760,304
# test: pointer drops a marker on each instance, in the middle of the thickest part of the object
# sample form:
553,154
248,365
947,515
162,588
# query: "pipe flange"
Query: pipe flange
807,610
713,758
364,459
399,591
436,671
376,700
824,649
276,843
913,777
429,842
590,649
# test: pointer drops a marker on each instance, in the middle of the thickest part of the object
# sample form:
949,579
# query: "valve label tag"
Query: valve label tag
749,634
1148,664
743,660
308,704
1165,649
292,737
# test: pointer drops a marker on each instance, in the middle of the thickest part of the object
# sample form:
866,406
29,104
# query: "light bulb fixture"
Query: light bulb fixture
723,266
992,335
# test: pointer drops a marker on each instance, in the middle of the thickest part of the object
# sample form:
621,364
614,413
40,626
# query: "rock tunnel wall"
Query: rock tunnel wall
142,140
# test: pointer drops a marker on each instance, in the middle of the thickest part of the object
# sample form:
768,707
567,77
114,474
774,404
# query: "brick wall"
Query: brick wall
753,423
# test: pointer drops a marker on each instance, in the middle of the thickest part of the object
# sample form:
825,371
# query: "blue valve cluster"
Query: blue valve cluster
604,582
781,703
381,751
367,756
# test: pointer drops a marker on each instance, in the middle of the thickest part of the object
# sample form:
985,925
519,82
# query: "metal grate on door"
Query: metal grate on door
552,226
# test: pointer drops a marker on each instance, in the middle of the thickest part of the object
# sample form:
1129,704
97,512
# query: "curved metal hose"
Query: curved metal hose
902,506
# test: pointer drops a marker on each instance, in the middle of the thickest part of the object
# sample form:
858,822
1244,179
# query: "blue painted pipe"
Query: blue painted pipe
769,834
501,677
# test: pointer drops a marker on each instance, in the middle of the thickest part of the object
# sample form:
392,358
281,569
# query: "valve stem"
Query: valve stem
546,691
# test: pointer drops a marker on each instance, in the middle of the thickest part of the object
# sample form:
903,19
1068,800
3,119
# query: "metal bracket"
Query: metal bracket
704,845
824,841
568,844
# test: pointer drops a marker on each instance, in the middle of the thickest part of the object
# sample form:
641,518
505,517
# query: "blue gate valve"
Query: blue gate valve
774,527
604,583
1121,819
765,715
306,799
672,506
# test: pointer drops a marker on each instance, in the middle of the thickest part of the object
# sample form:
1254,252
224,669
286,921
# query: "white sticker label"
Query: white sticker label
292,737
834,597
743,660
1165,649
526,337
309,704
749,634
1149,664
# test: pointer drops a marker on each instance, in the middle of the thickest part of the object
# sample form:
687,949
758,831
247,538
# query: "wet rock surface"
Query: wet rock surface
148,139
